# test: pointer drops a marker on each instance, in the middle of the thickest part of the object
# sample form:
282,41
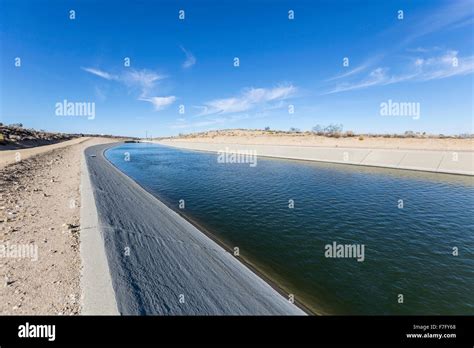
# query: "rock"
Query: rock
8,282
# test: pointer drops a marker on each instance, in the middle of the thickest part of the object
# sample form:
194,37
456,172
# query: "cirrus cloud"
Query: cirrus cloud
142,80
448,64
190,59
160,103
100,73
250,98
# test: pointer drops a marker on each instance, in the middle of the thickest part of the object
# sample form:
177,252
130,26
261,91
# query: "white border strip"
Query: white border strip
98,296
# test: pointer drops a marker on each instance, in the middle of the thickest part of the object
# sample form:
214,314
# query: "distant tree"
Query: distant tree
317,129
294,130
333,128
267,128
17,125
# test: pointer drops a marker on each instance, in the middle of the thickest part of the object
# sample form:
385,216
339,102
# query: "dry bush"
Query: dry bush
349,134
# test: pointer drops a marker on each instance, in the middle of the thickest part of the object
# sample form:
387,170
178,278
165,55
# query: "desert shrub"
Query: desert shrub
333,128
329,130
349,133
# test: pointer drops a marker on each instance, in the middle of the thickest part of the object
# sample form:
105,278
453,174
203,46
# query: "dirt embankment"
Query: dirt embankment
39,230
15,137
349,140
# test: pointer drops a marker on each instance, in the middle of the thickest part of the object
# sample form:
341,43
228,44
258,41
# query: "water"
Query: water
408,251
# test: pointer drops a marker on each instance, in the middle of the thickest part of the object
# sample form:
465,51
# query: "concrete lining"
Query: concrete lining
97,294
172,268
451,162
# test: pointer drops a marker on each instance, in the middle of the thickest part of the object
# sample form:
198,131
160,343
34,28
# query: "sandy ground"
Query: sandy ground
39,219
267,138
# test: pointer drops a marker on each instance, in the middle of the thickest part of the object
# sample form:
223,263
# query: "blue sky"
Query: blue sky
426,57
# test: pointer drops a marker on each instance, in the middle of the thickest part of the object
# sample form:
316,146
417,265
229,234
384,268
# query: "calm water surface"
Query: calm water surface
408,251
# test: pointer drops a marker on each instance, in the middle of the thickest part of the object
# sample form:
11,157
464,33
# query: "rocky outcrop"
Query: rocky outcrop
16,137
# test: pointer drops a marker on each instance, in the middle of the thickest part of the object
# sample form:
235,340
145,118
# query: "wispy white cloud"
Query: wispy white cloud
423,49
143,80
420,69
468,22
375,77
190,59
100,73
160,103
360,68
99,93
444,66
454,14
351,72
251,102
250,98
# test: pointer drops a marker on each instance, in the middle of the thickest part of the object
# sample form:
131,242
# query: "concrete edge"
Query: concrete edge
97,293
418,162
